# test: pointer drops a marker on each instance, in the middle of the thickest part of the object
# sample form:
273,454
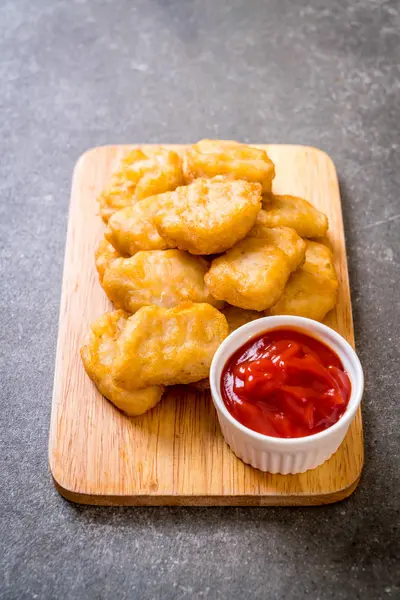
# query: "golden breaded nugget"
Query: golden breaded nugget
208,158
209,215
251,275
161,346
285,238
132,228
311,290
291,211
237,317
105,254
97,356
161,277
142,173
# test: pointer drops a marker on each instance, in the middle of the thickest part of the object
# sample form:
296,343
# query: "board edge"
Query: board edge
209,500
227,500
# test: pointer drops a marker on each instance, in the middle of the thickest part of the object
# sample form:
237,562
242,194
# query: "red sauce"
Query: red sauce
285,383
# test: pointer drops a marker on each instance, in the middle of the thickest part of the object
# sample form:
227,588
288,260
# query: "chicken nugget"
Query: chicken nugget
311,290
97,356
105,254
161,277
291,211
209,215
236,317
208,158
251,275
142,173
132,228
161,346
285,238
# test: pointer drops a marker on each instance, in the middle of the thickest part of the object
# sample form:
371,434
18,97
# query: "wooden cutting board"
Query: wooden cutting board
175,454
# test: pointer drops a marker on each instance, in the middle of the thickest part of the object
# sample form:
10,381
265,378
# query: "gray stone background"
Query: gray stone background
80,74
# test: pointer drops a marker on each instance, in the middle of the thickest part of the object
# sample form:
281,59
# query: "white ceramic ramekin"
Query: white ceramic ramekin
282,455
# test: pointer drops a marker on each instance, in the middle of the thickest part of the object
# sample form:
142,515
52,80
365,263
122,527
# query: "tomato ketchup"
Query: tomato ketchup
285,383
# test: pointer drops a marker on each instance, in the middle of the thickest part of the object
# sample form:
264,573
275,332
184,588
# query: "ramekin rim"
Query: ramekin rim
269,323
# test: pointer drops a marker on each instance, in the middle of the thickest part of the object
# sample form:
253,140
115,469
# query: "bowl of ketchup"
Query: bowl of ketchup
285,389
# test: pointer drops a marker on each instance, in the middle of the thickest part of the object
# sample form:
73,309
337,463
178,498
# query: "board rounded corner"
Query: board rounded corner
67,493
59,484
91,154
345,492
323,154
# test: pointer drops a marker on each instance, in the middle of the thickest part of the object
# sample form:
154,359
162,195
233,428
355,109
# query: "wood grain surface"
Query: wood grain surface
175,454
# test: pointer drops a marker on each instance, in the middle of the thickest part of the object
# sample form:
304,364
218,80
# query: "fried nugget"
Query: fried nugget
291,211
98,355
161,277
251,275
208,158
285,238
162,346
132,228
105,254
142,173
209,215
311,290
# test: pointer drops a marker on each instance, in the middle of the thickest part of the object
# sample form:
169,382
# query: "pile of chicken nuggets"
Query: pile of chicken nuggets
196,245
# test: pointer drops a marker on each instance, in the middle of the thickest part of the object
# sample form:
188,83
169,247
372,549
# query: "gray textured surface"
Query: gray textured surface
80,74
